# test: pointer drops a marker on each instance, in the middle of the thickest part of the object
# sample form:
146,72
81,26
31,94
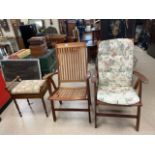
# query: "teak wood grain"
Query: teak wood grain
72,66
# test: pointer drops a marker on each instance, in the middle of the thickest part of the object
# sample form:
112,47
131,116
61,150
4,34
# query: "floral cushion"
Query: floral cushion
28,87
115,62
115,68
119,95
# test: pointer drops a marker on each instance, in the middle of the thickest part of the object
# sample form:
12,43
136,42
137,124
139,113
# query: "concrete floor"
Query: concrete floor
34,120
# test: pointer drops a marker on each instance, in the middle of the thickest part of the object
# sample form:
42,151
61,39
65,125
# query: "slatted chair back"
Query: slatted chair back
72,62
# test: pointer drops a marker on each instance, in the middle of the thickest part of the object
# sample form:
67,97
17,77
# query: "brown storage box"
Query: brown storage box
55,39
38,50
37,40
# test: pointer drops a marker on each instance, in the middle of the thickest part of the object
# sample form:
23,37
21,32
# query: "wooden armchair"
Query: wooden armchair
25,89
72,67
113,79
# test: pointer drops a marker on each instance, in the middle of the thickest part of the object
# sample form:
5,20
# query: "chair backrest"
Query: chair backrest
115,62
72,61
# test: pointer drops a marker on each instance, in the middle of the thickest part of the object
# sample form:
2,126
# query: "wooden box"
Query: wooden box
38,50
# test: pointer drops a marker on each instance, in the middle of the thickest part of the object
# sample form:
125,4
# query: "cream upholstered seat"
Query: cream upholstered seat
118,95
28,87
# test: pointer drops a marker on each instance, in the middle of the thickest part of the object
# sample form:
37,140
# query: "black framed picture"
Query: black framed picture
117,28
4,25
27,69
3,53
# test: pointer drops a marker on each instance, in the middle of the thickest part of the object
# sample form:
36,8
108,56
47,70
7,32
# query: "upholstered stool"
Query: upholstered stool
28,89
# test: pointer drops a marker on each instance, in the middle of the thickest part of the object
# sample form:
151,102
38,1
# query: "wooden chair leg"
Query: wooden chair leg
88,88
17,107
89,114
138,118
89,104
95,116
44,106
53,111
60,102
89,100
28,101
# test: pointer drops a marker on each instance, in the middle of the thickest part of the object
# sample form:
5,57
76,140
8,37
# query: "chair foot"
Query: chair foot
53,111
89,118
89,114
95,121
60,102
44,106
137,128
17,107
95,116
138,118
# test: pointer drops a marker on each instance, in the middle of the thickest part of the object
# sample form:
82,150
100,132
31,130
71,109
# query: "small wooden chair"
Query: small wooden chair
25,89
113,80
72,67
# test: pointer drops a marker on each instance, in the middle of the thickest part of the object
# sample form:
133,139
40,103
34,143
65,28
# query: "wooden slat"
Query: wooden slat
70,94
76,63
71,109
68,45
119,105
116,115
72,61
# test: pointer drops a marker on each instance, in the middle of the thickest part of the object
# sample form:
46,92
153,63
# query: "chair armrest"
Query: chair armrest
94,78
49,78
50,75
11,84
141,77
88,75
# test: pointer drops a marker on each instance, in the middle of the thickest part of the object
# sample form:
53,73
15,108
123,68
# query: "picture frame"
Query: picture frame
3,54
1,33
4,25
27,69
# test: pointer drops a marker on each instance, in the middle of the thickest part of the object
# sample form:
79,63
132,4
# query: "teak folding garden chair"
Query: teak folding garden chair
114,79
72,67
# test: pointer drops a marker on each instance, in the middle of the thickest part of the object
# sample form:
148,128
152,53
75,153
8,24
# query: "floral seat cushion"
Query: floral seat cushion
28,87
120,95
115,68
